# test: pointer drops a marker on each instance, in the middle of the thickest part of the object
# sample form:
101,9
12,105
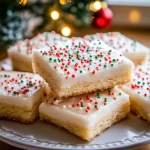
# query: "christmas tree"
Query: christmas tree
20,19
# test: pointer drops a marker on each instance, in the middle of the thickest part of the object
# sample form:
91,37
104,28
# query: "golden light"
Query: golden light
135,16
95,6
23,2
63,2
54,15
66,31
104,5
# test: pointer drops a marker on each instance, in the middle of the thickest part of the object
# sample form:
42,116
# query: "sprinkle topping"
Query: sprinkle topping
19,84
118,41
90,103
79,57
141,81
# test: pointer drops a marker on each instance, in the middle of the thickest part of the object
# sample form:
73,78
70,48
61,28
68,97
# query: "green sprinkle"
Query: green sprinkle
114,60
109,91
143,83
105,66
66,66
105,99
120,93
95,106
55,60
98,95
100,60
50,59
139,82
5,75
110,50
14,92
40,51
112,65
21,81
82,105
96,57
90,56
102,55
80,71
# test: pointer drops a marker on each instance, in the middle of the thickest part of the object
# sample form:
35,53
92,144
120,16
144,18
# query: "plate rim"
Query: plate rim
18,140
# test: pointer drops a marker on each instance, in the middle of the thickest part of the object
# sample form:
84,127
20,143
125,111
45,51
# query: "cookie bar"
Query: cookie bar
20,96
80,67
131,49
139,92
87,116
21,53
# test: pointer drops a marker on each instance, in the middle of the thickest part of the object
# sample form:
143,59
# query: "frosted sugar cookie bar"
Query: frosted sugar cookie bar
21,53
131,49
87,116
80,67
20,96
139,92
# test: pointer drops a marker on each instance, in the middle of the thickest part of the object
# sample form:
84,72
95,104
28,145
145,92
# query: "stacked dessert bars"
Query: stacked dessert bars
83,75
86,81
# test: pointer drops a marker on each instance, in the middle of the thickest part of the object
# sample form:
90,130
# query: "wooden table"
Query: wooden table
141,35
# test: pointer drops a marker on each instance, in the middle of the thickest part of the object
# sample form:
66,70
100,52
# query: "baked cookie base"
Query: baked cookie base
19,114
21,65
79,89
140,61
139,111
88,134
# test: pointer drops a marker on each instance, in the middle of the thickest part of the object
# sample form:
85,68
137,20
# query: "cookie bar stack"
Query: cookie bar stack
22,51
88,81
139,88
83,75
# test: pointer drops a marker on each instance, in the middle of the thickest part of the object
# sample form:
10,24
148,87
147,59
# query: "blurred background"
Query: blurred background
20,19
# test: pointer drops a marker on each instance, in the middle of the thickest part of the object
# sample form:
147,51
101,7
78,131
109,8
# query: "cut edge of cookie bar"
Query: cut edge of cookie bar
79,89
139,60
89,134
19,114
19,62
139,111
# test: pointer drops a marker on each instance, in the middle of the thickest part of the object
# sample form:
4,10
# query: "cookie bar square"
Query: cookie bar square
81,66
20,96
139,92
131,49
21,53
87,116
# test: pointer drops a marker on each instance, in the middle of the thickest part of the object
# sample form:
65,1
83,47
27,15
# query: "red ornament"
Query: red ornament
102,18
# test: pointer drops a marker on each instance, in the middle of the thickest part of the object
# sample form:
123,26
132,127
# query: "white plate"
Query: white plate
129,133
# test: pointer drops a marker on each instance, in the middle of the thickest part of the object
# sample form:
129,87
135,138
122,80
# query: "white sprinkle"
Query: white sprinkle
69,106
64,106
88,104
56,102
80,108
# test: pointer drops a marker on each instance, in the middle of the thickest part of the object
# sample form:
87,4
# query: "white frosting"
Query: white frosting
96,61
23,49
86,110
20,89
129,48
5,67
139,88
